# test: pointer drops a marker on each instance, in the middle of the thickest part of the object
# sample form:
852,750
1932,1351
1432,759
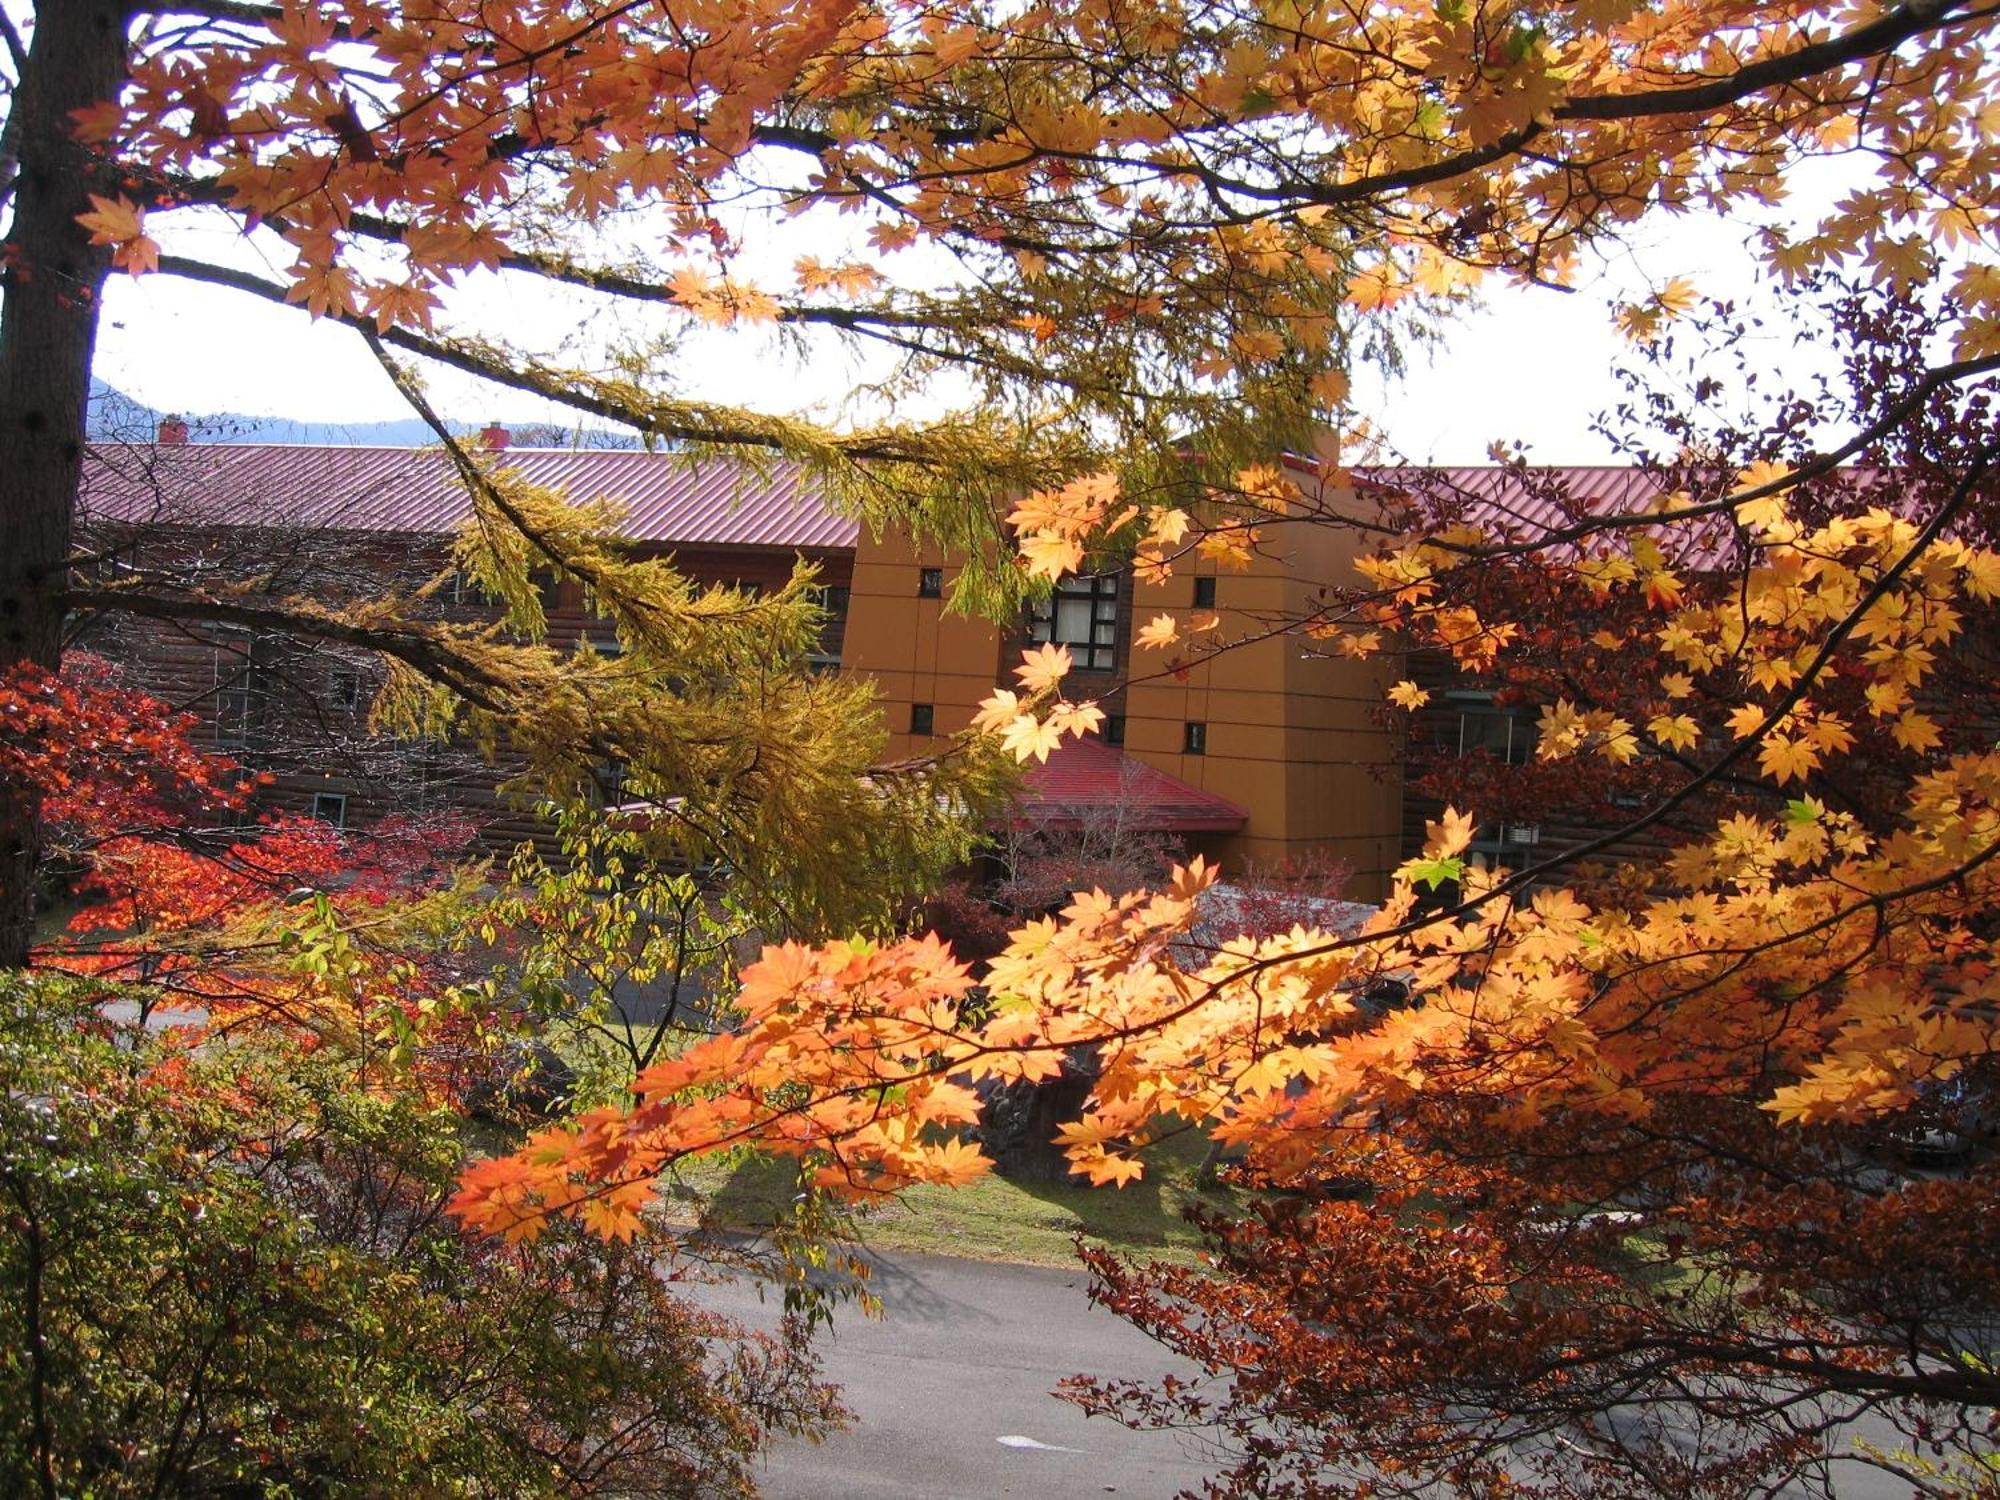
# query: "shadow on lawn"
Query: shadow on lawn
994,1218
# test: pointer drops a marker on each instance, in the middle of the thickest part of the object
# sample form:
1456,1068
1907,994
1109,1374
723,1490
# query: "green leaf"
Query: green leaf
1436,872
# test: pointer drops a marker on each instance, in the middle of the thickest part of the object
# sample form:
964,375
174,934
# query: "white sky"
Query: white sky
1531,366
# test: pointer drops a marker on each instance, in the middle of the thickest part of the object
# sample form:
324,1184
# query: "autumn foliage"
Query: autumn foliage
1637,1147
1613,1177
237,1088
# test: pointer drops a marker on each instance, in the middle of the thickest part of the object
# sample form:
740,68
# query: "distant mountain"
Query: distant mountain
116,417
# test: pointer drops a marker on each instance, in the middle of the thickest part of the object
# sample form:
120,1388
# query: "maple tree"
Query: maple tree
1119,230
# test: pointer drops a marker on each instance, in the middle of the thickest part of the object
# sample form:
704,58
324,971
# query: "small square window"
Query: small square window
330,807
1204,592
833,598
923,719
930,583
1114,729
1194,738
347,687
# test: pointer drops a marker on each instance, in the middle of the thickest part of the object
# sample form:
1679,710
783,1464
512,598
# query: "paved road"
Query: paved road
951,1391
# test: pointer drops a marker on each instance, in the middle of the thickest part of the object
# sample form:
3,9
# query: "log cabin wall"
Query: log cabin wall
297,711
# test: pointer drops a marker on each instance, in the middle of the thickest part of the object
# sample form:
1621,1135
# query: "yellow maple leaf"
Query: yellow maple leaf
1257,344
696,291
1915,731
1050,554
1166,527
1676,730
1785,759
1157,633
1101,1167
996,712
1746,720
120,223
112,221
954,1163
1407,694
1767,513
1331,387
1677,298
1043,667
1027,737
1448,835
1075,718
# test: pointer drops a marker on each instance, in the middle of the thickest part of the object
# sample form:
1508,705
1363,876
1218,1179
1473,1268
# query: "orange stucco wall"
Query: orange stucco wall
1291,735
1291,730
915,651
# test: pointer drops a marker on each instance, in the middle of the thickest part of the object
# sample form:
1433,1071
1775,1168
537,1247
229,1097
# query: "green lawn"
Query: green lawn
993,1218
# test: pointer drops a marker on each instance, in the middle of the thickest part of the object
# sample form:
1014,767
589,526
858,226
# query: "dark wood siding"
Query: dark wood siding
298,711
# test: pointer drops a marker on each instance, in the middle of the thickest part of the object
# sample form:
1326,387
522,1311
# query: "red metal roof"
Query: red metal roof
665,497
1083,777
673,499
1510,508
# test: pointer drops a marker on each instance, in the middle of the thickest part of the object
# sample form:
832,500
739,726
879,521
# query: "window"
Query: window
555,591
347,687
1082,614
330,807
1204,592
930,583
1114,729
1194,739
923,718
1506,735
833,600
607,784
243,782
236,690
1486,728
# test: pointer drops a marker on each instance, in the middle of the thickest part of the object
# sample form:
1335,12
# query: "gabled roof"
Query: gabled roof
666,498
1086,778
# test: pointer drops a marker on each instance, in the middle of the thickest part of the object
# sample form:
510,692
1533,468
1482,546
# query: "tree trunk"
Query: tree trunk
48,330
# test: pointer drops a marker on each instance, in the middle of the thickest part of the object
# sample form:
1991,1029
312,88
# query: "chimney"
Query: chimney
173,432
495,437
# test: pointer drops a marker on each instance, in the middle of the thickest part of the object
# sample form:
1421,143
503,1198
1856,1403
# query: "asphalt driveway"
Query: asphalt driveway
951,1388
